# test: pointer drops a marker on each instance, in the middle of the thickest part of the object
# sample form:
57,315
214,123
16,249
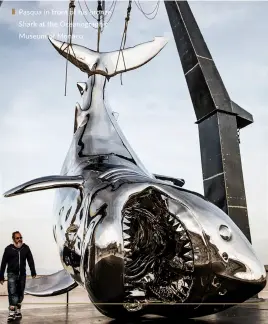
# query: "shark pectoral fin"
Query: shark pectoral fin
177,182
52,285
132,57
44,183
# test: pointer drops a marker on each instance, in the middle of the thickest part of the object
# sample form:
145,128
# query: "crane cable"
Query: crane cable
111,9
103,4
124,38
147,14
69,42
99,11
113,5
70,34
103,10
85,16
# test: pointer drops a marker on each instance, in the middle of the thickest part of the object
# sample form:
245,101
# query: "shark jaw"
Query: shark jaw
159,258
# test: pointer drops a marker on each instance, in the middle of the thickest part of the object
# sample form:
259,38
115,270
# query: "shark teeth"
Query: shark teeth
184,237
176,224
189,266
126,220
188,246
126,236
179,228
127,244
186,284
183,260
126,239
171,219
189,255
126,228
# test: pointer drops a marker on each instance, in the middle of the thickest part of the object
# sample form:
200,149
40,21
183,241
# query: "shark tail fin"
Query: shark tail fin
109,63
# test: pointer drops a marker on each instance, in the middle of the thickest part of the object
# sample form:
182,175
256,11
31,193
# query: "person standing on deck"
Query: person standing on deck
14,258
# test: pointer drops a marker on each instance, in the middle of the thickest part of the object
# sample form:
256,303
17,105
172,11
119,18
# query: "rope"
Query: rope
124,37
90,10
69,44
85,16
99,10
70,34
103,4
146,14
113,5
103,10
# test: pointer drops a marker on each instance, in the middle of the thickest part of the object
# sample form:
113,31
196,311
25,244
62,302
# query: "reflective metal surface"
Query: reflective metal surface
52,285
130,238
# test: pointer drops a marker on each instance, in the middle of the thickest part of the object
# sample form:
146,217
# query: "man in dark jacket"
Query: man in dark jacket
14,258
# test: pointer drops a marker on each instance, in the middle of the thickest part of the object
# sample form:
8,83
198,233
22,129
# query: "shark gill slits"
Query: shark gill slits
81,214
68,214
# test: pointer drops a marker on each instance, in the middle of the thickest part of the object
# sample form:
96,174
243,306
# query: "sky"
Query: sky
154,108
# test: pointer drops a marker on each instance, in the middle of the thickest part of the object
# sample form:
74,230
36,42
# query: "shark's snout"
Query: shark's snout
237,272
232,255
228,290
242,275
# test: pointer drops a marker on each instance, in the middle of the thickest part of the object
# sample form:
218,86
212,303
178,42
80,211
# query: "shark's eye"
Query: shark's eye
225,232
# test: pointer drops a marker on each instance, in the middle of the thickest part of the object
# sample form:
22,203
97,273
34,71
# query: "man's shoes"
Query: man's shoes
18,314
11,316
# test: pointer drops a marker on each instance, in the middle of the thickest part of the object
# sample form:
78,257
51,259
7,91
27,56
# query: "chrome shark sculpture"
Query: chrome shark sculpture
130,238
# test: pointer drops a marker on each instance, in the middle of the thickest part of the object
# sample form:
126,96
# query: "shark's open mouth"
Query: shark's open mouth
159,258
